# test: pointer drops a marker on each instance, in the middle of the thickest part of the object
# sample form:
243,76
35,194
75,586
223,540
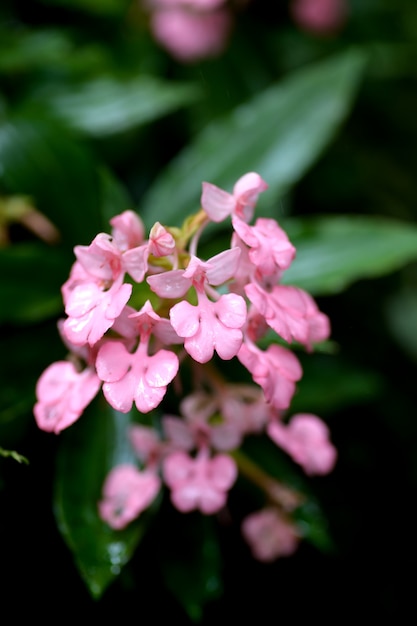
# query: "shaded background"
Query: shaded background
365,390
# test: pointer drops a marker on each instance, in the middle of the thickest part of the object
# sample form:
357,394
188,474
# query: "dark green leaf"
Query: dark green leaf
40,159
97,7
31,276
329,384
105,106
191,564
279,134
89,449
335,251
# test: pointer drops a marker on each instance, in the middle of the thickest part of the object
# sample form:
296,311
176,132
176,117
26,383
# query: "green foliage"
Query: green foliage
279,134
334,251
95,119
106,105
191,566
87,452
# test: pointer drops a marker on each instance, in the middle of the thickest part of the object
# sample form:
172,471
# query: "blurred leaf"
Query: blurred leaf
335,251
191,564
41,159
105,106
330,383
279,133
98,7
401,314
89,449
31,275
114,197
26,50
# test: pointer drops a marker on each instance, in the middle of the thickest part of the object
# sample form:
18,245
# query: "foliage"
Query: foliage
96,118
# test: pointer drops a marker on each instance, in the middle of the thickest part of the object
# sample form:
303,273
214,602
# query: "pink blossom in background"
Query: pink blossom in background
190,35
126,493
270,535
200,483
62,395
320,17
306,440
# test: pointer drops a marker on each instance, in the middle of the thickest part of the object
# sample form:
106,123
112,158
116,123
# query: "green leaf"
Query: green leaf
23,50
107,105
31,276
96,7
41,159
191,564
279,134
335,251
89,449
330,383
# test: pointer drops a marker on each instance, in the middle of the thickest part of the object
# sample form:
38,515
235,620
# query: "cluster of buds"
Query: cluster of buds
140,310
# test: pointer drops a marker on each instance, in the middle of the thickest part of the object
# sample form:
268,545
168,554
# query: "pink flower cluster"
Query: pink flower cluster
137,308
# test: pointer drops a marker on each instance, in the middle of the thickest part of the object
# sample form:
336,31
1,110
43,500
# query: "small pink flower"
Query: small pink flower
128,230
218,204
126,493
306,440
210,326
321,17
137,377
200,483
270,249
189,35
270,535
92,311
161,242
63,394
102,259
291,312
276,370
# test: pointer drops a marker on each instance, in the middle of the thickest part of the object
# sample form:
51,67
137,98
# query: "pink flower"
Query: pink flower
63,394
135,377
196,431
161,242
92,311
291,312
306,440
199,483
276,370
126,493
218,204
189,35
128,230
102,259
210,326
270,249
321,17
270,535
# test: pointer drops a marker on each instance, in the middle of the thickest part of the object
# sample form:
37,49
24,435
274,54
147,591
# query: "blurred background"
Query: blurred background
113,104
